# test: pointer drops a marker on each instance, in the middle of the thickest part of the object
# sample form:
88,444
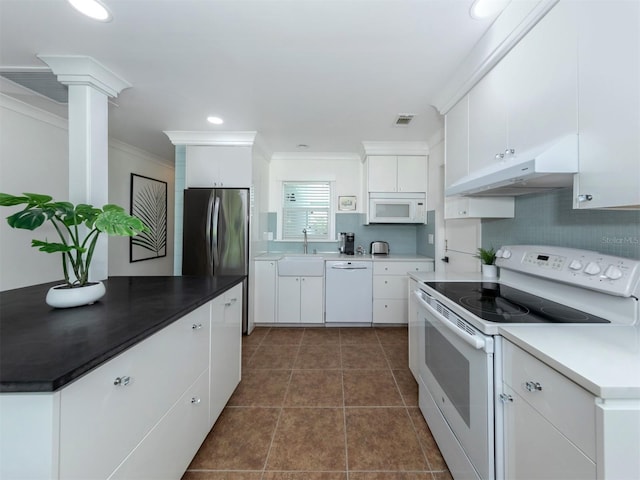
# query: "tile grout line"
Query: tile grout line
284,398
344,411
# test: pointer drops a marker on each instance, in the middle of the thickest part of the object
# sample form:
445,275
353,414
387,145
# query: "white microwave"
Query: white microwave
397,208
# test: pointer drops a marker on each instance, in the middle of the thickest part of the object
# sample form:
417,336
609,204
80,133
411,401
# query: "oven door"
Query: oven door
456,368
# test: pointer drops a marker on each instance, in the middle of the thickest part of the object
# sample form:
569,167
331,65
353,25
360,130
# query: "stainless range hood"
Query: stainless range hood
549,167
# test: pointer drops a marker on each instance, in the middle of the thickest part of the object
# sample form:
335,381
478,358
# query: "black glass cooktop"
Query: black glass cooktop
498,303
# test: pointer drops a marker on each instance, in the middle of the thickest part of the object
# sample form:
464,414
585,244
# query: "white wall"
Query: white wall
123,161
435,194
260,200
345,172
34,157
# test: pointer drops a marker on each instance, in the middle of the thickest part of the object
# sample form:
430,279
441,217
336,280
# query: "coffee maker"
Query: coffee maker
347,243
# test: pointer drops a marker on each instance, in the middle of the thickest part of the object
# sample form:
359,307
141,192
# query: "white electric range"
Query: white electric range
460,349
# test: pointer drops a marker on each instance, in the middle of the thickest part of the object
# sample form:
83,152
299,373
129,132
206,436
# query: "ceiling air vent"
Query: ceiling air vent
404,119
42,82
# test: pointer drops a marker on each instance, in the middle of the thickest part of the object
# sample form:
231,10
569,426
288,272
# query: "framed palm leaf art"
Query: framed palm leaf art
149,204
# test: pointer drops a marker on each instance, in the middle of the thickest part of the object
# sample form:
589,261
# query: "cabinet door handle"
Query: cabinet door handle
122,381
585,198
506,398
533,386
510,151
195,400
196,326
500,155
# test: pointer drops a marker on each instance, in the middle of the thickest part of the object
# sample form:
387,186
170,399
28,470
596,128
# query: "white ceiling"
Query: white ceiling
327,73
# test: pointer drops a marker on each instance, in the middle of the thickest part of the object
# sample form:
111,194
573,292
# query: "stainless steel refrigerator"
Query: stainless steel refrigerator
215,235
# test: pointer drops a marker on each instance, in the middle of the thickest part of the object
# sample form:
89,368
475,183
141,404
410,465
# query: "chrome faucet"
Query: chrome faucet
305,245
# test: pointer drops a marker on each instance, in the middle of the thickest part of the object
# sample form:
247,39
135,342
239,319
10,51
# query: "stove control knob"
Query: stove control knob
592,268
613,272
575,265
506,254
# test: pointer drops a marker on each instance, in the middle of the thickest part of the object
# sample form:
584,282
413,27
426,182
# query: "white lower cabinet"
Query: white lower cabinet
168,449
105,414
226,338
414,330
300,300
140,415
264,292
549,421
390,296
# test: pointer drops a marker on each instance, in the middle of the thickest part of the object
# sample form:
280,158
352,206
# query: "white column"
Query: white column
90,86
88,160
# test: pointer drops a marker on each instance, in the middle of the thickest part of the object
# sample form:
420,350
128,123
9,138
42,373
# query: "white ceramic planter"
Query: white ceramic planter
489,271
74,297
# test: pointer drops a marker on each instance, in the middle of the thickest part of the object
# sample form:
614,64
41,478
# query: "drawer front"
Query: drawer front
390,311
101,421
390,286
400,268
168,449
536,449
569,407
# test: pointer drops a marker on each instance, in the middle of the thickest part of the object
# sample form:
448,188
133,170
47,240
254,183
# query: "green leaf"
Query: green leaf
27,219
118,222
109,207
52,247
37,199
7,200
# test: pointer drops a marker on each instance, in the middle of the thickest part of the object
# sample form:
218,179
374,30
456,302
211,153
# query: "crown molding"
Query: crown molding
143,154
509,28
83,70
235,139
327,156
395,148
36,113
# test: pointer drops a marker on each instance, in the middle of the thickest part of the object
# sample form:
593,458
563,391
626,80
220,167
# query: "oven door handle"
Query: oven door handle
475,342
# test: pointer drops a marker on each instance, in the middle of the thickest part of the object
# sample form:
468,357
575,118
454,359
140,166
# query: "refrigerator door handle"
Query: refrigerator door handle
215,261
209,229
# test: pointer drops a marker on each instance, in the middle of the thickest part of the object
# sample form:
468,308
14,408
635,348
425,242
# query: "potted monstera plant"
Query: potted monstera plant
78,228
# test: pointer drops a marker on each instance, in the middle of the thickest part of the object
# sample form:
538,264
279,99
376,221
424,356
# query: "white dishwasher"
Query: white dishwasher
348,291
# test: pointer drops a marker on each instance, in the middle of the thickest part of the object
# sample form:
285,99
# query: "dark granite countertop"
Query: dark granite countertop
42,349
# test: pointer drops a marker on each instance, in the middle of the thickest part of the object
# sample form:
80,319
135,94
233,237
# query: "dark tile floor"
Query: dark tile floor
322,404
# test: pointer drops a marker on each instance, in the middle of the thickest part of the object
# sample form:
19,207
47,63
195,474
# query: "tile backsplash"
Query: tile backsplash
549,219
402,238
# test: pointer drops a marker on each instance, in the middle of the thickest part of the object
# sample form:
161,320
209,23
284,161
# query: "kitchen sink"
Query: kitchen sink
301,266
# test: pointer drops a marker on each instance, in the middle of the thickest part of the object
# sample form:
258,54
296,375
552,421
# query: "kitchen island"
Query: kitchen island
127,387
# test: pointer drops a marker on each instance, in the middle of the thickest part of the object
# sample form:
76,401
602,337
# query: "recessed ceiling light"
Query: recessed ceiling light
486,8
302,146
215,120
92,8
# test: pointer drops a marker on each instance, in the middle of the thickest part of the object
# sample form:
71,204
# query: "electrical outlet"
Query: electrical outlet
430,239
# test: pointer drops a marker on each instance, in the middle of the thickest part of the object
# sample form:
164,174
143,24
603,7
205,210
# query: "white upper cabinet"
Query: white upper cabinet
527,103
457,167
391,173
383,176
488,135
479,207
457,142
609,105
218,166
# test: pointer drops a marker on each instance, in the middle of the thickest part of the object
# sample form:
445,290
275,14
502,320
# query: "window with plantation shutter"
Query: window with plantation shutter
306,205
